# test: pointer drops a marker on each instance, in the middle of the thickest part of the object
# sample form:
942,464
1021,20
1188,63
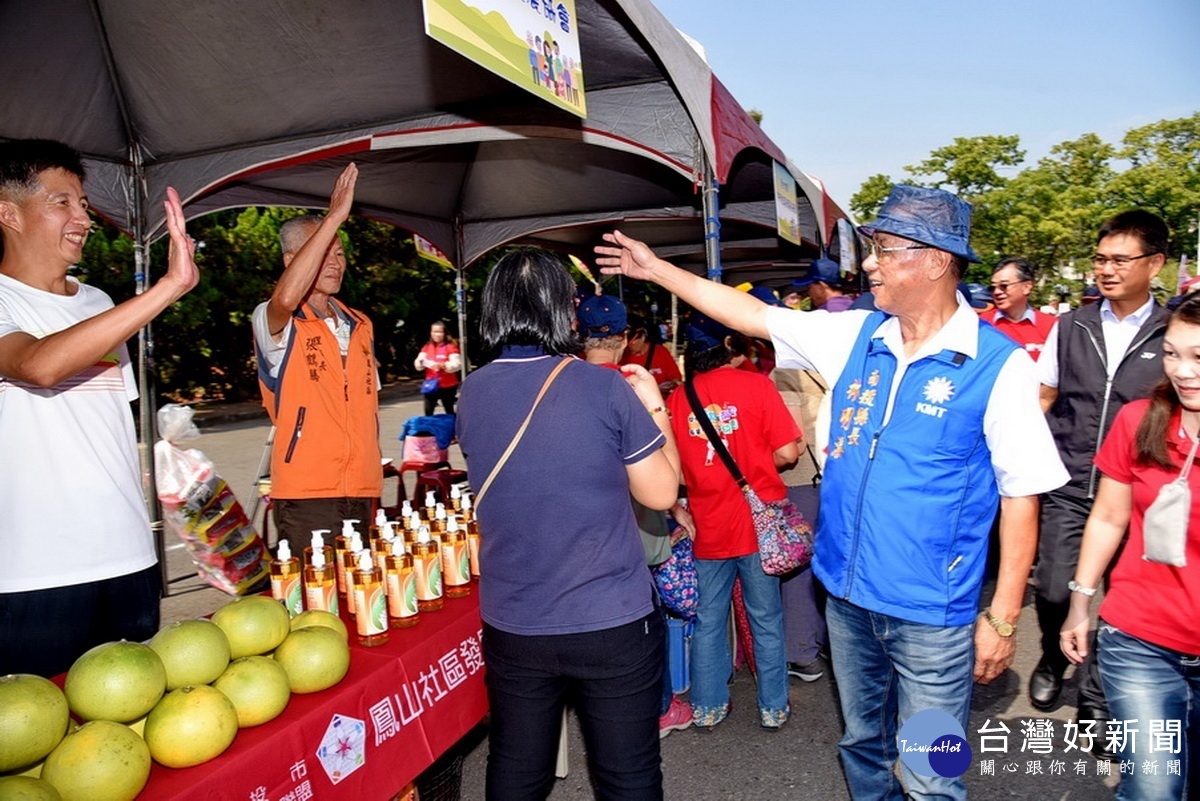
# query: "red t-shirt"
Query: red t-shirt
662,365
1154,602
754,423
440,353
1029,334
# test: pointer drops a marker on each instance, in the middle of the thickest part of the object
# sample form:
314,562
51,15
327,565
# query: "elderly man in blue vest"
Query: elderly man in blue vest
935,421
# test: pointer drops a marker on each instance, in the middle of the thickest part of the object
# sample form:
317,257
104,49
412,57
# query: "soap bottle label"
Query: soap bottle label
402,594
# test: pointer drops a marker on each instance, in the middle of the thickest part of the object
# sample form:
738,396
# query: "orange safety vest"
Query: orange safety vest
326,414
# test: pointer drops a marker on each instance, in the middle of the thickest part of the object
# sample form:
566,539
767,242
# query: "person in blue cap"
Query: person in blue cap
822,281
935,421
604,326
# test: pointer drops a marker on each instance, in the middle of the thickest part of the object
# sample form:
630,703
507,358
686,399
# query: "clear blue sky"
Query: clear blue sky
851,88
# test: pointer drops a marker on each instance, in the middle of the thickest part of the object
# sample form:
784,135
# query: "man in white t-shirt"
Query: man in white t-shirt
79,567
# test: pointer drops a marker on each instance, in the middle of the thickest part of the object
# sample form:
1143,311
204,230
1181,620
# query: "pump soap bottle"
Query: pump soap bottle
318,544
320,584
427,561
341,544
370,600
401,587
349,565
473,540
381,546
285,579
456,571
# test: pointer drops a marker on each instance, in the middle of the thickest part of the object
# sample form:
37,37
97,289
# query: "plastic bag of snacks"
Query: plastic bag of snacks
203,511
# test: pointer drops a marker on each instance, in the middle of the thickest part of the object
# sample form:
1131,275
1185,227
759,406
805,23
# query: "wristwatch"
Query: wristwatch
1002,627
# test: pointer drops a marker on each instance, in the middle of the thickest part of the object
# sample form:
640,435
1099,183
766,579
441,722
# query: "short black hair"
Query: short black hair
529,299
639,325
1024,267
699,358
21,160
1145,225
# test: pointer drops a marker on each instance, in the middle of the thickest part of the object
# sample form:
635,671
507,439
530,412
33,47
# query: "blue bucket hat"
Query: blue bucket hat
602,316
930,216
705,331
826,271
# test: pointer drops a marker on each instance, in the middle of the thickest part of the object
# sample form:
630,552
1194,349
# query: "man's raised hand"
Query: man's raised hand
181,257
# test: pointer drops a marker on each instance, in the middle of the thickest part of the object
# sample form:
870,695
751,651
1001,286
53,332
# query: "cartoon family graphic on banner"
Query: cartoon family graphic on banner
544,59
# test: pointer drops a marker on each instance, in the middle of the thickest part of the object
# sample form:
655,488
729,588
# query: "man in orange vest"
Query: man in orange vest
319,379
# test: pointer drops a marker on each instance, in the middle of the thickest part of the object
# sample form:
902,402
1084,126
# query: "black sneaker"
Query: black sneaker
809,671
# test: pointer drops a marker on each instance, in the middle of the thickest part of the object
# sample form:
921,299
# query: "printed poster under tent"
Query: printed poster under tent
531,43
847,237
428,250
787,211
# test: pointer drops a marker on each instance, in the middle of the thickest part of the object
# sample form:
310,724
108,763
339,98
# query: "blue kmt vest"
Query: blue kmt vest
906,508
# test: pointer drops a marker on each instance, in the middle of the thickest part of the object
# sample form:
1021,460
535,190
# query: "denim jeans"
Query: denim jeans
711,659
1144,683
887,670
612,677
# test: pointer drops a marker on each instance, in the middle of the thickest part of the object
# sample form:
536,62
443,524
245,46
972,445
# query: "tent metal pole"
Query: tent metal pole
460,293
145,350
460,301
675,326
712,223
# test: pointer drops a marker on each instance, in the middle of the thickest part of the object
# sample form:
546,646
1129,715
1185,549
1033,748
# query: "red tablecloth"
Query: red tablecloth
400,707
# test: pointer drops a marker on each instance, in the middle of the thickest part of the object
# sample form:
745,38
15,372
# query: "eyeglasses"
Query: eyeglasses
1119,262
1005,286
874,248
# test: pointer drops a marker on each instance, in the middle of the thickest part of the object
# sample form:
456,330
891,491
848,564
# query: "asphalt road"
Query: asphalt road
738,760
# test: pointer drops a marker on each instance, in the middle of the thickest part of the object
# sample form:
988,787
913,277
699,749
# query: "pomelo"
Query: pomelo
27,788
320,617
99,761
259,688
315,658
191,725
254,625
119,681
192,651
33,719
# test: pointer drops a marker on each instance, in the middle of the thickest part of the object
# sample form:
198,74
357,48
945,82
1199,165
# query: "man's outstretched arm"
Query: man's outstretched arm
738,310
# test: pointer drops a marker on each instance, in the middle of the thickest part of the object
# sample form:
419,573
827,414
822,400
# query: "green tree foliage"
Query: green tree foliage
1050,212
1164,176
971,165
869,198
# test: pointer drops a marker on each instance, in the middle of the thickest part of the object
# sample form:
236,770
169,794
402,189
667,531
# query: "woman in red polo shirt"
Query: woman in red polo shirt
441,360
756,428
1149,637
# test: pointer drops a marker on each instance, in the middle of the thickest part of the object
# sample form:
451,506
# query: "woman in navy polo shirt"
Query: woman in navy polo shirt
566,599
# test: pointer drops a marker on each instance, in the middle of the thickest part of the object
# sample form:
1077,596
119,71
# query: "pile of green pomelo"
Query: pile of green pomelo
179,700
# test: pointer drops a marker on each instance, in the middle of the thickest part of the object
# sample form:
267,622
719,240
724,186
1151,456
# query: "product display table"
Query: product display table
399,708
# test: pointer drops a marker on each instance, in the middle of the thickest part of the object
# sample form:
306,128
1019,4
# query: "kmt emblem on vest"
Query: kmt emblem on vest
937,391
